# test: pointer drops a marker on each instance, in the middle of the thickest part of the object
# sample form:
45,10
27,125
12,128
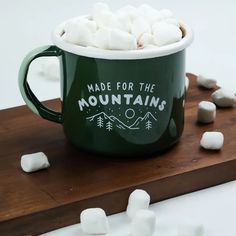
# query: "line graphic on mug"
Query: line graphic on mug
102,120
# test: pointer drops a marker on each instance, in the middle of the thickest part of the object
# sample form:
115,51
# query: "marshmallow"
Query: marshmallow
94,221
206,82
78,32
98,8
131,11
149,13
124,21
212,140
138,199
190,230
50,69
33,162
139,27
223,98
172,21
114,39
165,33
145,39
206,112
166,13
143,223
186,83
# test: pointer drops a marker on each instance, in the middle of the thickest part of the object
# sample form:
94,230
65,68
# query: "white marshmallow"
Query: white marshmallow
124,21
212,140
145,39
223,98
206,82
131,11
120,40
97,8
139,27
186,83
77,32
101,39
206,112
94,221
138,199
172,21
190,230
50,69
166,13
143,223
149,13
33,162
114,39
165,33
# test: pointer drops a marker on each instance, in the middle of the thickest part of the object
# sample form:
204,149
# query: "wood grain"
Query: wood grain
31,204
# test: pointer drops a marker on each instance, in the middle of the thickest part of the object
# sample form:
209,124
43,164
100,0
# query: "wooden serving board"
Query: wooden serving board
34,203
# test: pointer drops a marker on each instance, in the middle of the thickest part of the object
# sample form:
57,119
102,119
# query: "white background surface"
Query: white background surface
27,24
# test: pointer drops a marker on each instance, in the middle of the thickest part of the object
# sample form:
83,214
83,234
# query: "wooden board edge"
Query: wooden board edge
159,190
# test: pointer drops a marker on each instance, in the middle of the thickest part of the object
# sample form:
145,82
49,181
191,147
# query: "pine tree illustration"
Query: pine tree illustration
100,122
148,125
109,126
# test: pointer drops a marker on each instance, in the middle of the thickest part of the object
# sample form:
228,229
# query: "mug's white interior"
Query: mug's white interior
122,54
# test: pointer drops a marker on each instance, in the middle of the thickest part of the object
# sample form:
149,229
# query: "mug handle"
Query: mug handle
30,99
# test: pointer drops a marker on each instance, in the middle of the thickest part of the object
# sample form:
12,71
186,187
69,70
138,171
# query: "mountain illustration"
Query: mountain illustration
141,121
102,120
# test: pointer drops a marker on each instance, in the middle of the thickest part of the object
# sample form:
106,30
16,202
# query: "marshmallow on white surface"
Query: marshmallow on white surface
172,21
186,83
138,199
206,112
78,32
212,140
143,223
114,39
139,27
33,162
94,221
190,230
206,82
165,33
223,98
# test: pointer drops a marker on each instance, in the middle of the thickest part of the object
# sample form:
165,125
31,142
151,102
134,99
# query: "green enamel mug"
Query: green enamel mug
122,103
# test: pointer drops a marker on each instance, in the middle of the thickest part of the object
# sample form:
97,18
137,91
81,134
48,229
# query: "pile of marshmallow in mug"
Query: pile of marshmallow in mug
128,28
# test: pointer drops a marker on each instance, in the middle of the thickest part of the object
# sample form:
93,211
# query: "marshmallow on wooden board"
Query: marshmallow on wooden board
206,82
139,27
186,83
33,162
165,33
94,221
143,223
223,98
190,229
212,140
206,112
77,32
138,199
145,39
114,39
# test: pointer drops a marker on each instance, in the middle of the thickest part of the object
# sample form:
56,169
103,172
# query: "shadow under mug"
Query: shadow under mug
122,103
